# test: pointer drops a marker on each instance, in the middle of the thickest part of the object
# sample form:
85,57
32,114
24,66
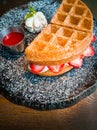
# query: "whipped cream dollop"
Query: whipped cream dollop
36,23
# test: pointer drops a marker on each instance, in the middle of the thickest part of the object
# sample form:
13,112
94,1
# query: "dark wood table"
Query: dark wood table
82,116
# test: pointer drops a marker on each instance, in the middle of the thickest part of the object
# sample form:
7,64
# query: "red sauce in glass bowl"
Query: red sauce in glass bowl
12,38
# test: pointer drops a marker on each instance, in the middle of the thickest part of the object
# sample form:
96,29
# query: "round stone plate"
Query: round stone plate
43,93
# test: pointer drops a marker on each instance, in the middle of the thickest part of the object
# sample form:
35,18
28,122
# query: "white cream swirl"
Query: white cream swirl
36,23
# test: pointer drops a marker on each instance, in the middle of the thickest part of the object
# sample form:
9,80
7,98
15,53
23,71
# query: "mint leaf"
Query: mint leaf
31,13
31,9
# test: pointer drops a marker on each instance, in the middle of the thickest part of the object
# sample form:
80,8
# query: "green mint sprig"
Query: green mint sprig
31,13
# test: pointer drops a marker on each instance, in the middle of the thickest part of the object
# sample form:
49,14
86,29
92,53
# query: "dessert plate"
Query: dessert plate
43,93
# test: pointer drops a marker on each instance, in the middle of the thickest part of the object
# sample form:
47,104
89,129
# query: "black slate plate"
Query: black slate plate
43,93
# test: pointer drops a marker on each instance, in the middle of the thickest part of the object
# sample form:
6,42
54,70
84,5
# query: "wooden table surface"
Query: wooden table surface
82,116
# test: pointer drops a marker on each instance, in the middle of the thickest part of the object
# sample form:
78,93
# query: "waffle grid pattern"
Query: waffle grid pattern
54,37
68,34
73,13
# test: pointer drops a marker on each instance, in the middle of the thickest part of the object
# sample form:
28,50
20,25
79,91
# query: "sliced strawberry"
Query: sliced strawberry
56,68
89,51
77,63
82,56
93,39
36,68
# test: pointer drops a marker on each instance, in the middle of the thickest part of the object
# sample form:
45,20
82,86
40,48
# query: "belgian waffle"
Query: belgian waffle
65,38
57,43
74,14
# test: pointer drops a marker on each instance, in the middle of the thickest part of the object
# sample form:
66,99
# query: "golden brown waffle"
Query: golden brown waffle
64,39
56,43
74,14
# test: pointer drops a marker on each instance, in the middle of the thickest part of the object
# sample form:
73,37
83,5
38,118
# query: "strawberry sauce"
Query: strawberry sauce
12,38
